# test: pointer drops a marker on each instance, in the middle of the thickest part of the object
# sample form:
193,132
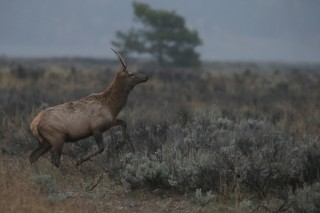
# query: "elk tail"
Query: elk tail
35,125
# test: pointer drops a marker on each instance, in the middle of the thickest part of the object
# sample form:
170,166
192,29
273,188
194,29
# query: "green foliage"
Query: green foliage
203,198
57,197
48,185
306,199
217,154
45,181
164,36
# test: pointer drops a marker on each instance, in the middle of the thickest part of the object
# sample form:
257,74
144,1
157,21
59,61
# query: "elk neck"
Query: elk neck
115,97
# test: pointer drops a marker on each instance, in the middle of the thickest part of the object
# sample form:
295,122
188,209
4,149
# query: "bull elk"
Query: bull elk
88,116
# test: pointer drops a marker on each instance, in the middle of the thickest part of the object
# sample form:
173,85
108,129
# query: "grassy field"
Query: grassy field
228,137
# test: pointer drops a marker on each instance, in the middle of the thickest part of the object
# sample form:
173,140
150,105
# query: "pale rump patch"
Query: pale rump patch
34,126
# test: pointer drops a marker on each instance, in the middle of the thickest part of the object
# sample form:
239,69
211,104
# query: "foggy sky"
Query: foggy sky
241,30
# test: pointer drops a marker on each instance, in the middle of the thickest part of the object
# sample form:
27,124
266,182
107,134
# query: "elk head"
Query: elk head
129,79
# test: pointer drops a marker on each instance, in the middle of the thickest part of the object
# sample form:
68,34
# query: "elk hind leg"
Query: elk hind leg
56,154
43,147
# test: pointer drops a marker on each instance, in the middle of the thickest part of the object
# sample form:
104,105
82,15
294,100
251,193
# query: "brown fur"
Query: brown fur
89,116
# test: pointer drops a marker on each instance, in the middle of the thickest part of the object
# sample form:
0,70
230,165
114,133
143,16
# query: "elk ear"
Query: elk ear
121,59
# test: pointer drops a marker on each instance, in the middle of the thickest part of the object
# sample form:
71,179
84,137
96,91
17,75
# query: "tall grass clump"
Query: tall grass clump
203,198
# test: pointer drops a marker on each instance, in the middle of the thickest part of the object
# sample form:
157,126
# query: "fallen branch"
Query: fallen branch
92,186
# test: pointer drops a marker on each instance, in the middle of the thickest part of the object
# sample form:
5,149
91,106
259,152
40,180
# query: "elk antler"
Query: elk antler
120,58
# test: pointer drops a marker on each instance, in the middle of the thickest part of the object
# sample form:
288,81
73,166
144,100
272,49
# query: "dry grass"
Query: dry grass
286,99
20,193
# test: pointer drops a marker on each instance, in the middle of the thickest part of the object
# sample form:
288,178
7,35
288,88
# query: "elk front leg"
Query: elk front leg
122,138
99,140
